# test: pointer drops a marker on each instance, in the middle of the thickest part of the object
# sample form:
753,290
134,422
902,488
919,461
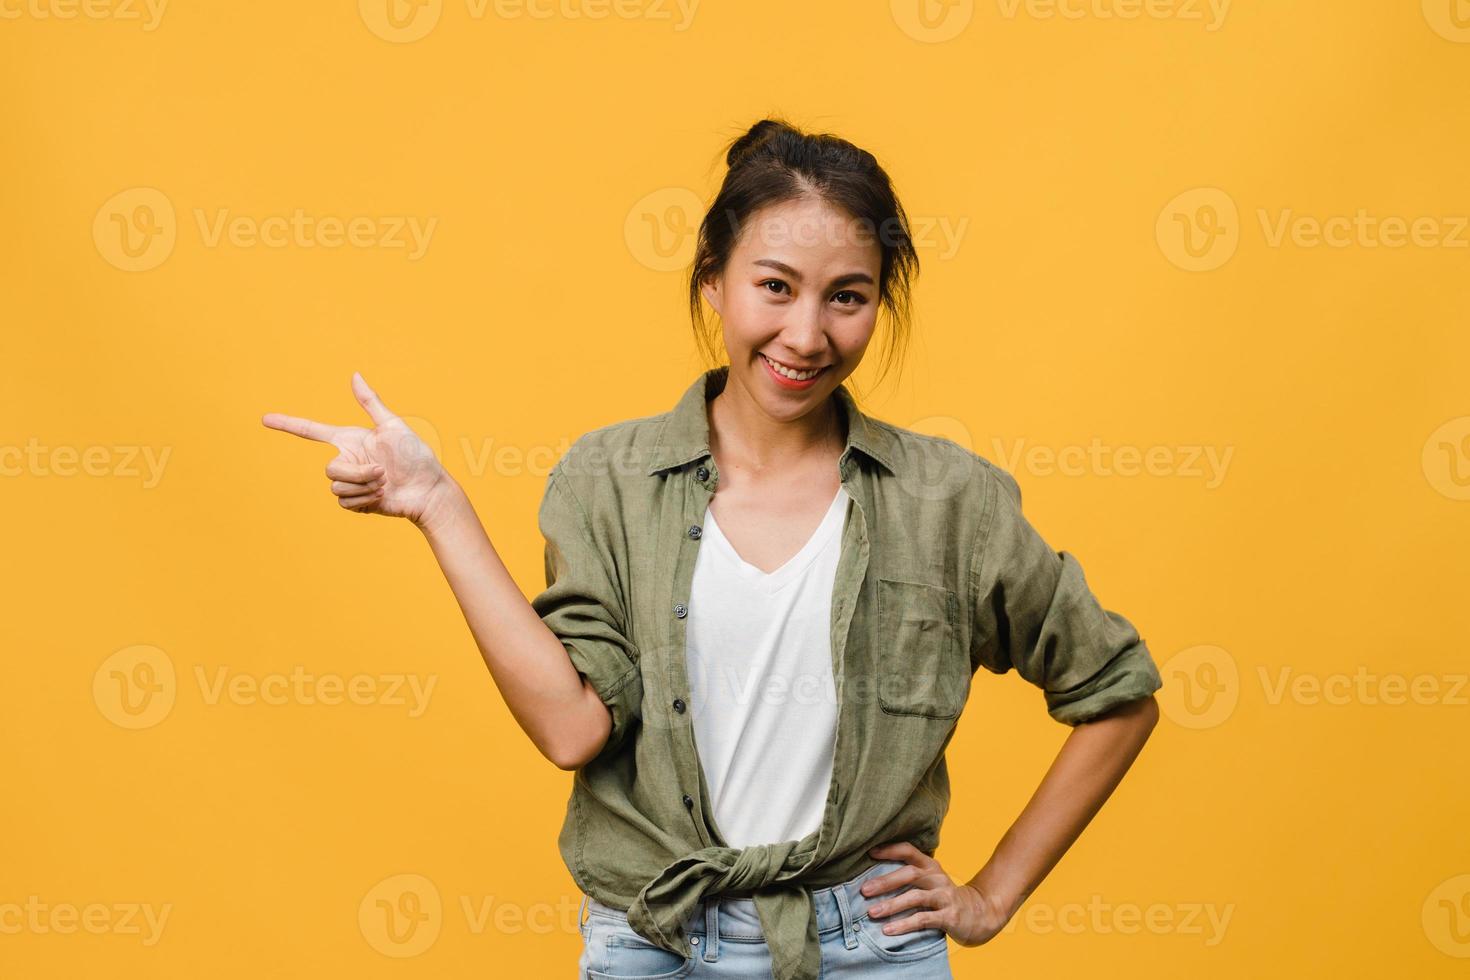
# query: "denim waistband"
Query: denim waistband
837,906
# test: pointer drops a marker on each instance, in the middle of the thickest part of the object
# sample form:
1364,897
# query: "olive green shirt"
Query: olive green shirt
939,574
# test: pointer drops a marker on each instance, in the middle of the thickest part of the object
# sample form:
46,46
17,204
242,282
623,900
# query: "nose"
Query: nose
804,332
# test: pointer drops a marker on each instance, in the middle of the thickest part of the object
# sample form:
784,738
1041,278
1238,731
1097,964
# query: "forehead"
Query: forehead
810,232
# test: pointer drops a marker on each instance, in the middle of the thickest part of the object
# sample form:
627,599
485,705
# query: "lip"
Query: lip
786,382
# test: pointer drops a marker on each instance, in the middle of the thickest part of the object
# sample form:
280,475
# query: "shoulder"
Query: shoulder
608,465
938,461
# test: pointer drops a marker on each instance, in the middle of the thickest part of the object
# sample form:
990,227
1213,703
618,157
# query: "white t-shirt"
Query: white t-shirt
762,696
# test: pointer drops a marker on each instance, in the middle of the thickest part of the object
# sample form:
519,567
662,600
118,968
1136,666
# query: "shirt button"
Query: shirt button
695,531
689,801
681,610
679,705
702,473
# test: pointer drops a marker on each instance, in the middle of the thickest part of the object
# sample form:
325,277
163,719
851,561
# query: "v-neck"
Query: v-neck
773,581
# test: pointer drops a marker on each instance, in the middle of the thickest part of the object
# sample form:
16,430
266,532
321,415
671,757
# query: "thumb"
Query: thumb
370,401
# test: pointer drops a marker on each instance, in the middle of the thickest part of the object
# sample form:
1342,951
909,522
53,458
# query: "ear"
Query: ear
710,289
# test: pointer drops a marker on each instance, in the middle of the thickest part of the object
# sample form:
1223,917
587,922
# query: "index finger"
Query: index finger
305,428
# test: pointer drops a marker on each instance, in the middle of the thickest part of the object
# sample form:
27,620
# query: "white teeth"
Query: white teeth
787,372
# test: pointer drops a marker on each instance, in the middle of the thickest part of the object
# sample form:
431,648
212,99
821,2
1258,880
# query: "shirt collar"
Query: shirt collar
684,435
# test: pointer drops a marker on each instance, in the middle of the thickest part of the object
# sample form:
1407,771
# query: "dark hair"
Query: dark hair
774,162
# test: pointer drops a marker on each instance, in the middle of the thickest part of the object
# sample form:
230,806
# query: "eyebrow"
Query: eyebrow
848,279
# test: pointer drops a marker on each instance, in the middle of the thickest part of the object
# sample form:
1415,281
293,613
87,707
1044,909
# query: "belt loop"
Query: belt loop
580,910
849,924
711,929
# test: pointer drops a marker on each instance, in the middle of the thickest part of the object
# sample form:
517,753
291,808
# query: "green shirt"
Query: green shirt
939,574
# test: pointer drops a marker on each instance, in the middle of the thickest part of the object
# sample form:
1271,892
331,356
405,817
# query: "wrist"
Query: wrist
446,502
1005,894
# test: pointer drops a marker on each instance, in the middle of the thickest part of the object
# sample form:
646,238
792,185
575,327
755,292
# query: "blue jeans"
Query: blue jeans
725,935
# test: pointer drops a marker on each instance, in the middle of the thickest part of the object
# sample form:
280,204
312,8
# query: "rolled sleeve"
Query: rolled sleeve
1033,611
583,606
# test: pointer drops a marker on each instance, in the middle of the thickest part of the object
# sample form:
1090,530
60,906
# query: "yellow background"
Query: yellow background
1326,839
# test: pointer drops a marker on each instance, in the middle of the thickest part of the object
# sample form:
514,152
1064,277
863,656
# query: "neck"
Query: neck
745,435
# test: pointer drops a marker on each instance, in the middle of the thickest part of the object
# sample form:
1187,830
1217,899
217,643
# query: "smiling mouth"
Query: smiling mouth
795,374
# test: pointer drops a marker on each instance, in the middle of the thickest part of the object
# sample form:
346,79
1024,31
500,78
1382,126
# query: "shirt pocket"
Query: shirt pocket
920,668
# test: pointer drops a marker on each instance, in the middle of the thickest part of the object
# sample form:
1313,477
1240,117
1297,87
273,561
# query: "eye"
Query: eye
767,282
857,299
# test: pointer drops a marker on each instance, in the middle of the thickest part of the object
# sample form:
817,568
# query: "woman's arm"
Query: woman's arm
1089,766
562,713
388,470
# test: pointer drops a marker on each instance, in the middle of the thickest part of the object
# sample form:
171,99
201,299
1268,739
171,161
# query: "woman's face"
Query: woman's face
799,292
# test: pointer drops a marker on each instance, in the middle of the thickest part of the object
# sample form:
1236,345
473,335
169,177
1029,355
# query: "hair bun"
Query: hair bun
754,137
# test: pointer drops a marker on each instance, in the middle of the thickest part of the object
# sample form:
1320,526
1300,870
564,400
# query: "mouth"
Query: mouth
791,376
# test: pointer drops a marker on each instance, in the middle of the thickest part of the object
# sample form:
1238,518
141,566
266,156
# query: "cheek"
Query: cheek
748,316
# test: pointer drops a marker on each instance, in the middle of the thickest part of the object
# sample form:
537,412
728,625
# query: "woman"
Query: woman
763,613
